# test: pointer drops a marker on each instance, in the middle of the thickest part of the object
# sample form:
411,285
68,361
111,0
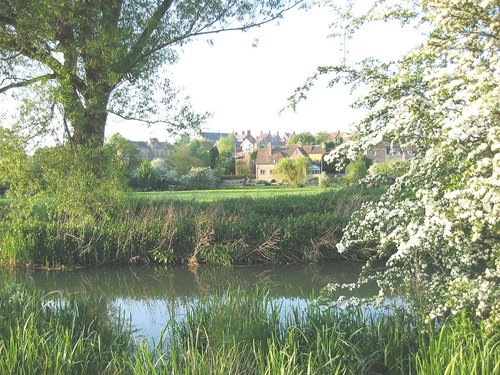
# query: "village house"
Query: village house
387,151
269,156
153,149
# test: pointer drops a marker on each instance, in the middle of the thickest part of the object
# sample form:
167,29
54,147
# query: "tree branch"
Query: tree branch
130,118
151,25
200,32
27,82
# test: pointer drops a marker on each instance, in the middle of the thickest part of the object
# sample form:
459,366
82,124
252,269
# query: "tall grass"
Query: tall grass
237,332
46,334
233,231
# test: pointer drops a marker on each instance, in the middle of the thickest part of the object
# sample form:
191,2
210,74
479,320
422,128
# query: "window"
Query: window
262,172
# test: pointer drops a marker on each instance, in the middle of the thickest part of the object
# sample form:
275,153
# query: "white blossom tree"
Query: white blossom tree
437,228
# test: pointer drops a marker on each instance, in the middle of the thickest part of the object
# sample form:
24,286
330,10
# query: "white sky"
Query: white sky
244,79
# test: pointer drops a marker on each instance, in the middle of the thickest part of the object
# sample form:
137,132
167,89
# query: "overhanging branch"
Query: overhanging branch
203,31
27,82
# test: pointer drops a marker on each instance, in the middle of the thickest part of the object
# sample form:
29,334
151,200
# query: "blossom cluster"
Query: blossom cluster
438,225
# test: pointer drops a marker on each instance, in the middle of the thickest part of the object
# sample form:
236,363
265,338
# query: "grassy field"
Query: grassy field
214,195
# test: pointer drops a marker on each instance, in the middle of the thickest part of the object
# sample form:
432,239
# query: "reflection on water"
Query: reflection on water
153,296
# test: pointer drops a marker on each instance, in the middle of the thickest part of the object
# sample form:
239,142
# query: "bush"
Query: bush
143,177
168,179
356,170
324,180
386,172
201,179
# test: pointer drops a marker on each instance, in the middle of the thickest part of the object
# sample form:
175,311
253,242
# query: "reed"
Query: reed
237,332
48,334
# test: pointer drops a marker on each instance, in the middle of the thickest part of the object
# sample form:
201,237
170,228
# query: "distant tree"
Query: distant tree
227,148
126,153
306,138
356,170
293,170
322,137
213,154
188,154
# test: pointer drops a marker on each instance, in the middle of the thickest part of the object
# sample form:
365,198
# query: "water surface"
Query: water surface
152,296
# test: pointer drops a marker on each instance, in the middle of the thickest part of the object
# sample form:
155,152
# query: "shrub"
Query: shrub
201,179
323,180
356,170
386,172
168,179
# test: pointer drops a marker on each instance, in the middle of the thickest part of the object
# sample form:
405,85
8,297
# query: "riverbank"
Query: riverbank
236,333
275,229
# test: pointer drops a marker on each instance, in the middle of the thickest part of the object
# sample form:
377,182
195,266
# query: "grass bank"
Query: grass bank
236,333
274,229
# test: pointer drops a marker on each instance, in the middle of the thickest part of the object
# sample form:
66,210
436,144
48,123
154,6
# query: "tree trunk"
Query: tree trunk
89,126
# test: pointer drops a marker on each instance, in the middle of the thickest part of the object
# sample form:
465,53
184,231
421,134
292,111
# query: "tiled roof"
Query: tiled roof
313,149
212,136
278,153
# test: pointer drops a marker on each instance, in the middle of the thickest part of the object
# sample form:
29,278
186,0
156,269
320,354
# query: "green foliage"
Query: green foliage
144,177
15,171
83,185
292,170
229,231
386,172
213,153
188,154
226,147
126,153
306,138
356,170
201,179
324,180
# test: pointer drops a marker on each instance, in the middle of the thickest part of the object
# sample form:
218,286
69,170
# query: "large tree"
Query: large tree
82,60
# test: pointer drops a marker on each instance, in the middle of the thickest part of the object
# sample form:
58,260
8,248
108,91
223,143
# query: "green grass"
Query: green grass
236,332
221,194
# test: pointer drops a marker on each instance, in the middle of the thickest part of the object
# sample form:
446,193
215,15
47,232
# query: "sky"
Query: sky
244,79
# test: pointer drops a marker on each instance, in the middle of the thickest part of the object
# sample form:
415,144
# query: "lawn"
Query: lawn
213,195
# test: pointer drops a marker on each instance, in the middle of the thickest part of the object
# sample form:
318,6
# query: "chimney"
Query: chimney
299,144
248,132
270,148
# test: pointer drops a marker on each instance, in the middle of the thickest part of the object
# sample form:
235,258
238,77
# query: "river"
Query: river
151,296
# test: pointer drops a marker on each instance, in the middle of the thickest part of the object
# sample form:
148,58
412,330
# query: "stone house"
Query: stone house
387,151
153,149
269,156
